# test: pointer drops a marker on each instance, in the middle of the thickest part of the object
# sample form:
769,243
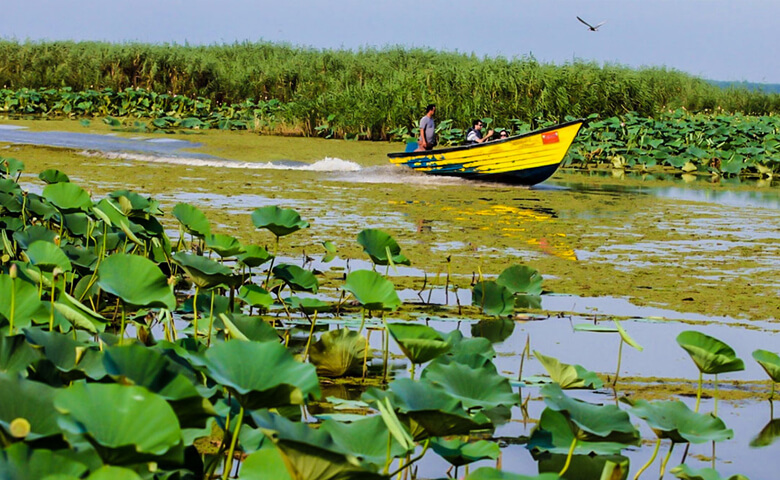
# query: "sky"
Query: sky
733,40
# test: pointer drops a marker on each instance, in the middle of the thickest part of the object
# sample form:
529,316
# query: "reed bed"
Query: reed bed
368,93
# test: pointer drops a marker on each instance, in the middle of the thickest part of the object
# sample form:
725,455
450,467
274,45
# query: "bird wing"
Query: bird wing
583,21
600,24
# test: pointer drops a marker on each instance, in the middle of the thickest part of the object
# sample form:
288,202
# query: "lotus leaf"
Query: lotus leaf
770,361
372,290
459,452
244,327
53,176
16,354
20,462
67,196
585,467
112,215
264,464
312,453
338,353
29,400
307,304
80,257
710,355
254,256
475,387
475,352
135,204
27,303
203,272
108,416
136,281
11,166
602,423
279,221
429,408
255,296
107,472
568,376
67,354
224,245
297,278
79,315
365,438
192,219
271,379
674,420
420,343
493,298
521,280
555,433
378,245
33,234
685,472
488,473
495,330
767,435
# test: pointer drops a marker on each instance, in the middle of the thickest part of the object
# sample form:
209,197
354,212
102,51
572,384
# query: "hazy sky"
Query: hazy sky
715,39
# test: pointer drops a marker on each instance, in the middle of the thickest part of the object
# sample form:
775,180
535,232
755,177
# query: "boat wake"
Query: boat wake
396,174
327,164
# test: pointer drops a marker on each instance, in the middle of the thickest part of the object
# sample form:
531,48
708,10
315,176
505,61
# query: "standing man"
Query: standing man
427,129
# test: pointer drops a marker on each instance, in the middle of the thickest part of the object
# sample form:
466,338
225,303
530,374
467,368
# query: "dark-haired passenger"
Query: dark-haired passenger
474,134
427,129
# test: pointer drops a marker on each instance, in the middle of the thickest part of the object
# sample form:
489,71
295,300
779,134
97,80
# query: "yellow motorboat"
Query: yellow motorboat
525,159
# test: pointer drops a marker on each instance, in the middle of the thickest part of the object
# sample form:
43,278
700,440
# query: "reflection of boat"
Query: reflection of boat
525,159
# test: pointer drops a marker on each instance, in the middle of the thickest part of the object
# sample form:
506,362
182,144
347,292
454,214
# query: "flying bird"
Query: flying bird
591,27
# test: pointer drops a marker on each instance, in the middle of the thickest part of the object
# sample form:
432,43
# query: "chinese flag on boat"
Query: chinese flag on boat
550,137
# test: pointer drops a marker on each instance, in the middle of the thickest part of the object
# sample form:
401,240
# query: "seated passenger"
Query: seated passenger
474,134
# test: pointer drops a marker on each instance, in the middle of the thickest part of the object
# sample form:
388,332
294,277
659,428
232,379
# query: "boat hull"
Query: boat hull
525,159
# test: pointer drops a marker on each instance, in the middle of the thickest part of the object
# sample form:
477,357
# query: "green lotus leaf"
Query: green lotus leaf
136,281
20,462
272,379
308,305
312,453
108,472
48,256
264,464
585,467
79,315
244,327
255,296
381,247
372,290
16,354
459,452
223,245
420,343
204,272
32,401
279,221
710,355
595,327
430,410
685,472
296,277
626,337
675,421
53,176
33,234
603,423
361,439
68,355
521,280
767,435
338,353
67,196
81,257
77,223
11,166
493,298
27,303
107,415
41,208
568,376
475,352
495,330
112,215
254,256
475,387
555,433
770,361
489,473
147,368
192,219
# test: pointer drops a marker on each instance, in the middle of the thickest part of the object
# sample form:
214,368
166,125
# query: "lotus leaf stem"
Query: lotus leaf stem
568,457
715,412
365,355
698,393
233,440
211,319
13,306
51,313
195,312
273,259
389,454
667,457
122,327
415,459
311,333
652,459
620,357
385,348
